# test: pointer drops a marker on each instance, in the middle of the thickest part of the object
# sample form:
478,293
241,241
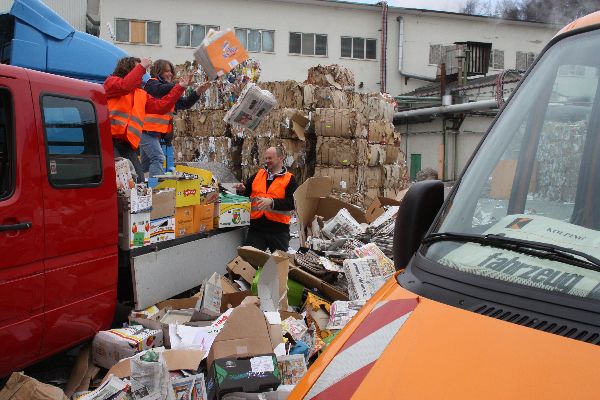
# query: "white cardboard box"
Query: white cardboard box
162,229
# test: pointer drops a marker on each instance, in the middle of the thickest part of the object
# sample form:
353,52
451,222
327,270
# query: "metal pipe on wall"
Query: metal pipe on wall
383,62
474,106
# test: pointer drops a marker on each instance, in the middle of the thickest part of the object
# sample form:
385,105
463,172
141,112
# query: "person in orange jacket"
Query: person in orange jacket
157,126
271,191
128,104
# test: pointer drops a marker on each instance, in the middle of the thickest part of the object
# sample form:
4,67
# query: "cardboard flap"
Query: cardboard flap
238,266
254,256
175,359
299,123
377,208
329,207
272,286
244,322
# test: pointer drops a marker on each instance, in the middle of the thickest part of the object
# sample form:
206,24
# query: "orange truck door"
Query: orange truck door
21,226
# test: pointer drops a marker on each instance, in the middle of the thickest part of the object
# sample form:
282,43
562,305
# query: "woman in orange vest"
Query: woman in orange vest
128,105
271,190
157,126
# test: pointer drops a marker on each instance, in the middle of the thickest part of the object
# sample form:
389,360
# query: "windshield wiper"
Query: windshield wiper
537,249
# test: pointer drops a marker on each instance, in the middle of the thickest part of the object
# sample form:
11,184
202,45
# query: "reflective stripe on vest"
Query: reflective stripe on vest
162,123
275,191
127,114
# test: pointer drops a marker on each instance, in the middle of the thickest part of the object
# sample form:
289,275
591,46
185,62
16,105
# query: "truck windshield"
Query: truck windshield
535,178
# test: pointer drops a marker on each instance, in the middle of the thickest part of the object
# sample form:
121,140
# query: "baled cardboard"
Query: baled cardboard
313,198
163,203
377,208
203,217
299,123
184,221
245,334
272,286
239,267
175,360
162,229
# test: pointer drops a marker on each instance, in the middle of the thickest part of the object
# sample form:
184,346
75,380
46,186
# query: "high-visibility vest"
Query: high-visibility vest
276,191
127,115
162,123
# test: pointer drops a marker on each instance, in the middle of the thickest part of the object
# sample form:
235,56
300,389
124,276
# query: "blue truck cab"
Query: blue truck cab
33,36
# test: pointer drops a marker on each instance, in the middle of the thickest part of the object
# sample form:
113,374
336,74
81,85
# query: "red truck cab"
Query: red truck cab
58,215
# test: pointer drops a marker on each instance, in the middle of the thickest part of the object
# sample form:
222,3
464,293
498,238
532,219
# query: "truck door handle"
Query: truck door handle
16,227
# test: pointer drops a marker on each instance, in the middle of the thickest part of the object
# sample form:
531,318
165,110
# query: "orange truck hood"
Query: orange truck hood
442,352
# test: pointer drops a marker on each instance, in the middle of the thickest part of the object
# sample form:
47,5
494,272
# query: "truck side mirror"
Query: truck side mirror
419,207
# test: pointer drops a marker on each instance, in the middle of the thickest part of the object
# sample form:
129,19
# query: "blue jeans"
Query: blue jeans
152,155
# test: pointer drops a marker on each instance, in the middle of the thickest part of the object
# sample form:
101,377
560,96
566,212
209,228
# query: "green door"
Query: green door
415,166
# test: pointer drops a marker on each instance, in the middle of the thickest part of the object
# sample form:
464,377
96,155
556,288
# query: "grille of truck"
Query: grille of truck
545,323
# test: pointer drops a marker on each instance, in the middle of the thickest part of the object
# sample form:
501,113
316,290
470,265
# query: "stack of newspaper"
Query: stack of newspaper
253,105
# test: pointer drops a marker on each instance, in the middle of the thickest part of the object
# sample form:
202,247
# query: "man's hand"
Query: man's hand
240,187
202,88
263,203
145,62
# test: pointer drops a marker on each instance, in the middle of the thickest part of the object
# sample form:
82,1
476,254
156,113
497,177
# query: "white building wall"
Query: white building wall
335,20
73,11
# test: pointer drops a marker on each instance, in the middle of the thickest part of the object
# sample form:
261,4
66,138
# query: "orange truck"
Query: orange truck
498,290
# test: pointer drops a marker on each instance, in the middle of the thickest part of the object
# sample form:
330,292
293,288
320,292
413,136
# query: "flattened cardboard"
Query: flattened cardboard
22,387
377,208
312,198
246,333
175,359
238,266
272,286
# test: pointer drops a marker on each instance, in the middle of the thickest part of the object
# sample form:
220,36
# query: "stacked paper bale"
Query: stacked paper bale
350,137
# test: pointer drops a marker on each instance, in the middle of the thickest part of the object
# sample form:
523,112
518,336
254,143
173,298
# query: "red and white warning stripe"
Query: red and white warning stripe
351,365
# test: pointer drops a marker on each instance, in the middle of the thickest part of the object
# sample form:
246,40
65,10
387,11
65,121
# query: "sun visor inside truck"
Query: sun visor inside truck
44,41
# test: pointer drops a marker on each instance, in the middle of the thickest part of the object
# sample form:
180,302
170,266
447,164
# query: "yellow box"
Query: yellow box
204,175
187,191
233,214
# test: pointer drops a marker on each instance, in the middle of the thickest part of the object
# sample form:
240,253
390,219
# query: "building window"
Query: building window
524,60
72,142
192,35
497,59
308,44
361,48
137,32
7,138
256,40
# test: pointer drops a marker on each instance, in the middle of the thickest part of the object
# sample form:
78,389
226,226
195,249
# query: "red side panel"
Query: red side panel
21,250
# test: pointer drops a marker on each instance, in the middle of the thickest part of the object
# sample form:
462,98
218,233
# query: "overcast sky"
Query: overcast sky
442,5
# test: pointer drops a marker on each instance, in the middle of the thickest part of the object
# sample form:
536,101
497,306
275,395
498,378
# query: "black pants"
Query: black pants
124,150
266,240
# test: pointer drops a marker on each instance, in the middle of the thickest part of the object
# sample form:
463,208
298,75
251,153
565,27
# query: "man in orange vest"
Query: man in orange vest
271,190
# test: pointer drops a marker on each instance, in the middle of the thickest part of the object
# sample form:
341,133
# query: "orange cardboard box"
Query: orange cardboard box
204,217
184,221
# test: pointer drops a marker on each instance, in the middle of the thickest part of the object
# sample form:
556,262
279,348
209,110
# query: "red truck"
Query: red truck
58,215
